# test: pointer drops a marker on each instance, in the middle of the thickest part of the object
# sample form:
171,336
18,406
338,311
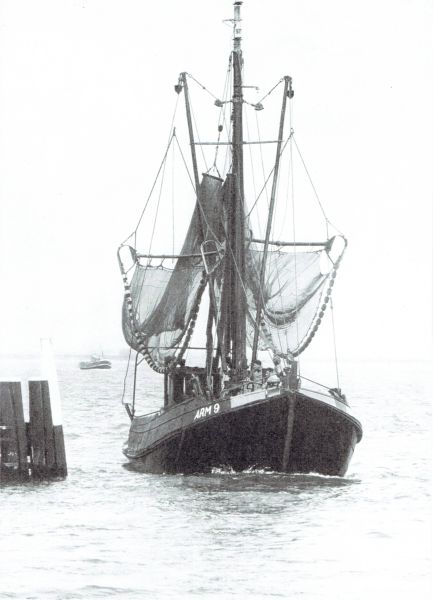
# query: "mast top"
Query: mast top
237,31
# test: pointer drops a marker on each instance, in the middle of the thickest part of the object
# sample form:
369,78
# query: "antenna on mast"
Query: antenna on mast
236,24
237,31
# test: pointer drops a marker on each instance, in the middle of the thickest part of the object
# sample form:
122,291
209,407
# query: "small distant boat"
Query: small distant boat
95,362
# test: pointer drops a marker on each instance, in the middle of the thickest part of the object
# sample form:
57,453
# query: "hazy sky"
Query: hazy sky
86,96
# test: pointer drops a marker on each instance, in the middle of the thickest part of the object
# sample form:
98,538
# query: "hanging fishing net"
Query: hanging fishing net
297,287
164,293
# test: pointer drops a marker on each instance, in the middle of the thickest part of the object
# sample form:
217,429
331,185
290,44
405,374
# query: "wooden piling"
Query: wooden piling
48,427
48,456
61,468
13,440
53,409
36,429
54,440
36,448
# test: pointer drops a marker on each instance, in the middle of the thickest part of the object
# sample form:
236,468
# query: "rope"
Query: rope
335,343
189,327
221,117
292,189
126,376
172,200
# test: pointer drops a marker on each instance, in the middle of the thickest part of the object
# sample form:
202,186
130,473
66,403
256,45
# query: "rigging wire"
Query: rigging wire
282,228
172,134
162,168
291,121
222,114
264,188
248,314
186,165
251,161
292,189
198,137
201,85
327,221
271,90
281,299
154,225
157,208
222,124
279,332
214,164
172,198
269,176
134,233
263,166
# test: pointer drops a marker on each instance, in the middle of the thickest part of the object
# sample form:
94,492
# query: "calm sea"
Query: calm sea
109,532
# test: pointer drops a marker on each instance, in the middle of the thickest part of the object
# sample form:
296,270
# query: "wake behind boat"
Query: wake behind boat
247,405
95,362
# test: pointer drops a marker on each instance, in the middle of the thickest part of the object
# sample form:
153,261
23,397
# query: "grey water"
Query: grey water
109,532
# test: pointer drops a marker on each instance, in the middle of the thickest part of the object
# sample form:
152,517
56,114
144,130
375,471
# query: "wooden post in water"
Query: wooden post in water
36,429
53,408
48,457
13,440
39,449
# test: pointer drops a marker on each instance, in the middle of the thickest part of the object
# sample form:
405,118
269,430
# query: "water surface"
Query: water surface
110,532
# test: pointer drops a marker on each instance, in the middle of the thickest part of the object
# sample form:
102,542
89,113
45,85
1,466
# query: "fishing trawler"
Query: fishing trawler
247,405
95,362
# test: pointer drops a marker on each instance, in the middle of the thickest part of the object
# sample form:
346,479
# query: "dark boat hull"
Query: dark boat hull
291,432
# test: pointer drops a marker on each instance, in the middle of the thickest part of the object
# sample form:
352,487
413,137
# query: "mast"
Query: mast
212,300
184,84
286,93
237,317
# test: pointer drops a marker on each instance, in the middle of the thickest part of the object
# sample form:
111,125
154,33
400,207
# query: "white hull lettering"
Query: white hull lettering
207,411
